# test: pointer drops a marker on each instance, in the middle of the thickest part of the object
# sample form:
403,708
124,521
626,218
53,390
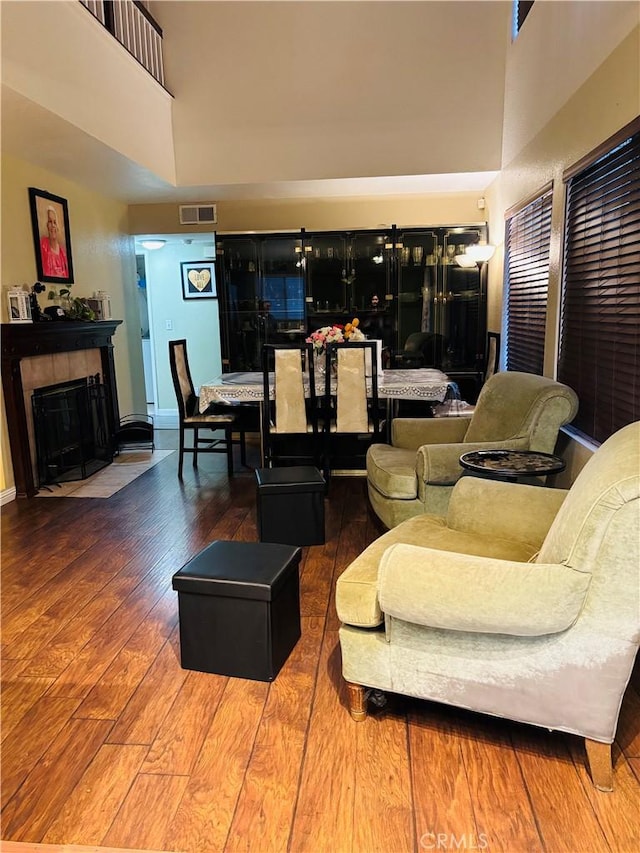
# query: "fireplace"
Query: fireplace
71,430
37,355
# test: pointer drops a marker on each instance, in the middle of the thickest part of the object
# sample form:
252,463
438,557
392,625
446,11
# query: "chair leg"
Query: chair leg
600,766
357,701
181,452
228,431
326,458
195,447
243,448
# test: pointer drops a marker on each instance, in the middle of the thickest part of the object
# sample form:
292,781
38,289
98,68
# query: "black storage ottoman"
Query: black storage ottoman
239,607
290,504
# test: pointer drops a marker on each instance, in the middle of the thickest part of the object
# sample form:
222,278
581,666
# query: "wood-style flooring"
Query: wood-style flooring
106,741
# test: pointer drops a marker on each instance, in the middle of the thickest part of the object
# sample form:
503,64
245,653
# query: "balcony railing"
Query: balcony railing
133,26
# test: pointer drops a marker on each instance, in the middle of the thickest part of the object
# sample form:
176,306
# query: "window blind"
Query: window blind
600,320
528,234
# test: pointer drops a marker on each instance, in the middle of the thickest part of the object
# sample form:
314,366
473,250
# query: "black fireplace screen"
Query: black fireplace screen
71,434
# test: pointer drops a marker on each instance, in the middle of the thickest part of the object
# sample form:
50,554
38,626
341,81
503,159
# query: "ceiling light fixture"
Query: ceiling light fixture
152,244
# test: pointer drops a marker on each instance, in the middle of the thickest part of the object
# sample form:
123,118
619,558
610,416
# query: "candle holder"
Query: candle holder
19,306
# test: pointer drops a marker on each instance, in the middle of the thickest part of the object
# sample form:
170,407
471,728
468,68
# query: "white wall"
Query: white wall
559,47
197,320
309,90
57,56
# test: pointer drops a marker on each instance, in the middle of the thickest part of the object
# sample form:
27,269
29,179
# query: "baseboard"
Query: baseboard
7,495
165,419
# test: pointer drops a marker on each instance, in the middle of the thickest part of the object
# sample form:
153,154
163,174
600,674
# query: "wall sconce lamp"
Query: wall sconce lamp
152,244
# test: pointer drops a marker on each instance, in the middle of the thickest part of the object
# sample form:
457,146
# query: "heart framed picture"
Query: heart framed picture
199,280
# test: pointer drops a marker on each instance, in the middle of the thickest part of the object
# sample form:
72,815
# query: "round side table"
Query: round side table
512,465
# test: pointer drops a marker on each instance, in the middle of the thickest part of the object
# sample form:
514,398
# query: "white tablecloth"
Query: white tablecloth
425,384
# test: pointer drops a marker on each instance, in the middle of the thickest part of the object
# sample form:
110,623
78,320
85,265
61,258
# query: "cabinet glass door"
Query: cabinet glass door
238,262
281,307
461,303
370,264
417,258
369,271
327,274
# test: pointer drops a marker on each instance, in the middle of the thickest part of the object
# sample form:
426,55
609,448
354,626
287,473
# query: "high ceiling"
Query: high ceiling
295,99
42,137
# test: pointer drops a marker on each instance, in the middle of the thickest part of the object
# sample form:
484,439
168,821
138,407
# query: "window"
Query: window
528,234
600,320
286,295
521,9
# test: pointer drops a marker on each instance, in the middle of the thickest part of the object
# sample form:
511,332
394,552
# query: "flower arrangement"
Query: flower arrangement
335,334
352,332
325,335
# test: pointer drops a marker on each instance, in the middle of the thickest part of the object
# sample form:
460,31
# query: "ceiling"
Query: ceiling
38,136
343,142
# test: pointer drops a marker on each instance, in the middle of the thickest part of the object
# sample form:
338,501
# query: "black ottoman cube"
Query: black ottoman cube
290,504
239,607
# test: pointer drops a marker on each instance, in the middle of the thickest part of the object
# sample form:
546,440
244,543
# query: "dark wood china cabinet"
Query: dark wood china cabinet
279,287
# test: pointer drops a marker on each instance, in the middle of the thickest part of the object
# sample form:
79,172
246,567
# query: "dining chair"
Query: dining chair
350,407
289,411
492,356
421,349
190,417
454,406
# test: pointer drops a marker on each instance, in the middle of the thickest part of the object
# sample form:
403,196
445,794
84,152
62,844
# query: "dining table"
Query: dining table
242,388
426,384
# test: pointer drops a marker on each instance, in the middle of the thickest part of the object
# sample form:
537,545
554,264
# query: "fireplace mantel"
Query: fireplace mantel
48,340
20,340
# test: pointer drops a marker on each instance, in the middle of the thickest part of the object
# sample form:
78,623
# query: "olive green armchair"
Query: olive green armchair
417,472
523,602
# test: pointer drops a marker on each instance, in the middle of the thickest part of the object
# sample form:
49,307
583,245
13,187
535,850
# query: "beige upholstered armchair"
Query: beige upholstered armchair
417,472
523,602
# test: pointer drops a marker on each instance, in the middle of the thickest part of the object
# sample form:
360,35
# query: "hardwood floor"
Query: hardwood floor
106,741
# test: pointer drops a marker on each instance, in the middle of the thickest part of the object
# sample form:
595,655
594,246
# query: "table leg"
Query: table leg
392,410
261,437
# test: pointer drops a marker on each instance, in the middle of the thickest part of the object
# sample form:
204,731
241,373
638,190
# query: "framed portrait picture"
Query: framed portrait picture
51,236
198,280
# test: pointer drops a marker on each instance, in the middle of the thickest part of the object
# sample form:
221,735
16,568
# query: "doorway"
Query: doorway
145,333
168,311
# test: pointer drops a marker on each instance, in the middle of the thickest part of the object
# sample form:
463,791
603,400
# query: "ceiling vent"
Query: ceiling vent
198,214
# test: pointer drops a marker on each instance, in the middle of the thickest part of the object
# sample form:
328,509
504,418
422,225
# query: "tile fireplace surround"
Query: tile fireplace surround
35,355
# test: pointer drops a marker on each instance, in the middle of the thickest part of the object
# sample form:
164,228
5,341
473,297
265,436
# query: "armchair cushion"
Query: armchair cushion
487,518
462,592
396,480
